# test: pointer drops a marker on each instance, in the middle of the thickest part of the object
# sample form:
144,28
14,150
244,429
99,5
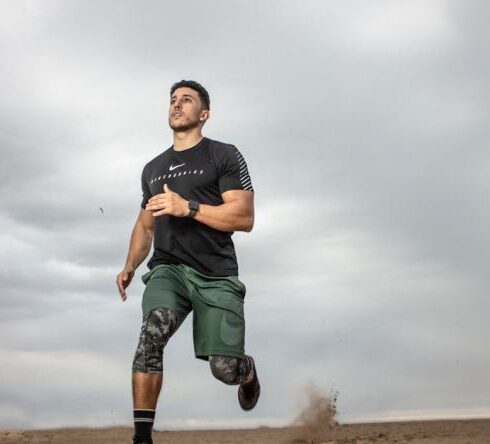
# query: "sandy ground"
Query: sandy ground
447,432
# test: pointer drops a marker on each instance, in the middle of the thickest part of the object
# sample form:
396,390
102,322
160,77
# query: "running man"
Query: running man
195,195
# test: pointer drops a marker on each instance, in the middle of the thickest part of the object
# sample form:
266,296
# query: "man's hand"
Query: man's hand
168,203
123,280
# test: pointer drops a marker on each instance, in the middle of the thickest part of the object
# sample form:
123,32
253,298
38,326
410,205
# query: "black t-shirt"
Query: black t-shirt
200,173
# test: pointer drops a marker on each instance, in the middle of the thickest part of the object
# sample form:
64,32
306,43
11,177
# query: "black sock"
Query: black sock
143,423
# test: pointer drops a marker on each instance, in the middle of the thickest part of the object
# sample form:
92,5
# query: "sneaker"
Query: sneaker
137,440
248,394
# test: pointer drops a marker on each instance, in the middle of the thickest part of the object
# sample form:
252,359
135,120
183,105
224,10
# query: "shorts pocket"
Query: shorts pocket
146,276
241,286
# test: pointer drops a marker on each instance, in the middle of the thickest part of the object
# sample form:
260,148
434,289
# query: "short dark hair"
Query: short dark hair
203,94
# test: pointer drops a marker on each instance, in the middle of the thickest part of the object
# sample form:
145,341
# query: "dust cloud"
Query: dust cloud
318,417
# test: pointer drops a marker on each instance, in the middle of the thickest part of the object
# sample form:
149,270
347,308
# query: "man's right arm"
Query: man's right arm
139,247
141,239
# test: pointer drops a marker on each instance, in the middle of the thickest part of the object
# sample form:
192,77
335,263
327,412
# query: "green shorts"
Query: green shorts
217,304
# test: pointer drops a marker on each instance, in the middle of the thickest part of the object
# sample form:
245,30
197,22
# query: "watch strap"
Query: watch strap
193,208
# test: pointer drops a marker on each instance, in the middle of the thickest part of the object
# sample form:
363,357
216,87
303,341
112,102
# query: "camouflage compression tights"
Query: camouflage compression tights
230,370
158,326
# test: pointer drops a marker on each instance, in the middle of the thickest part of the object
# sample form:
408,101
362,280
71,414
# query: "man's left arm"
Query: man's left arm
236,213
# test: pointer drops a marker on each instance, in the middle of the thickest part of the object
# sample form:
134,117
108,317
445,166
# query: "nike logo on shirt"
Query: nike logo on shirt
176,166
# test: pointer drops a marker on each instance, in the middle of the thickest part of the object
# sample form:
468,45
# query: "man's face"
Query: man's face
185,110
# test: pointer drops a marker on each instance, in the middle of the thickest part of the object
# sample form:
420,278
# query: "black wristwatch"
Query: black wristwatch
193,207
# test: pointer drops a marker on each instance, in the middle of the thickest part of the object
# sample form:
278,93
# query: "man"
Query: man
195,195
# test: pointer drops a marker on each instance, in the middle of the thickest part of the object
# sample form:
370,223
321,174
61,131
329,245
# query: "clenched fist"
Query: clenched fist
168,202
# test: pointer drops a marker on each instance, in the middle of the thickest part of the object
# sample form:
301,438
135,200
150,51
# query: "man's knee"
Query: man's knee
158,325
225,368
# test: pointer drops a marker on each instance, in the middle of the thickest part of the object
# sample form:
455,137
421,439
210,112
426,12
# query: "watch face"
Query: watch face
193,205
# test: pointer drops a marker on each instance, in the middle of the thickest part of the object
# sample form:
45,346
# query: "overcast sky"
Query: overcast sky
365,128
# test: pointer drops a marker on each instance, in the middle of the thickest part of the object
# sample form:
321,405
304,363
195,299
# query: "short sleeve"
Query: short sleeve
145,189
233,172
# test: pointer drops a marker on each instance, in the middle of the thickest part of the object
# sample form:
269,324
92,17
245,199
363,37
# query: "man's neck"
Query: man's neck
186,140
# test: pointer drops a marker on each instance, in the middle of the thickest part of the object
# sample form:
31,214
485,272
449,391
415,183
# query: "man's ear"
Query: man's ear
204,115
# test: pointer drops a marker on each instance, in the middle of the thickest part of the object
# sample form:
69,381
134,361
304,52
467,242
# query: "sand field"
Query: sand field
473,431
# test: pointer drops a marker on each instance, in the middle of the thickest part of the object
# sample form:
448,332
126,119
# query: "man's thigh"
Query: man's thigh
218,321
165,304
166,286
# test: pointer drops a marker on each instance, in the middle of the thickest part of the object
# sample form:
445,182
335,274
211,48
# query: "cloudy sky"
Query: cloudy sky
365,128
